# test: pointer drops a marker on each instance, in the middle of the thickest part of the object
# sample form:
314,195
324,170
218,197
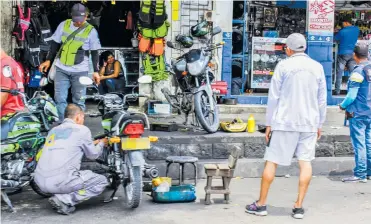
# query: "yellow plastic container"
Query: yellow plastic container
158,180
251,124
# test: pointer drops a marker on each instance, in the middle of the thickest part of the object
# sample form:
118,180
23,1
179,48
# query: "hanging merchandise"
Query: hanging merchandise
185,41
35,78
200,29
22,24
158,47
152,14
153,27
45,33
155,33
129,21
155,67
38,38
144,43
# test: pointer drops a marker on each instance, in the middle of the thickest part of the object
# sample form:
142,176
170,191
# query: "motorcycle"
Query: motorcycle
23,134
192,75
123,159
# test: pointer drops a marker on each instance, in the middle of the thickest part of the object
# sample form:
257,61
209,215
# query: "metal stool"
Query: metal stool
182,160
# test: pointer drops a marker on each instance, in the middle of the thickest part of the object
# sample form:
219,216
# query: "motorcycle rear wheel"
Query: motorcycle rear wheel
202,111
133,190
38,190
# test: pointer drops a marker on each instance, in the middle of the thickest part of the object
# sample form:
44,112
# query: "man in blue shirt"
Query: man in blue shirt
347,38
358,109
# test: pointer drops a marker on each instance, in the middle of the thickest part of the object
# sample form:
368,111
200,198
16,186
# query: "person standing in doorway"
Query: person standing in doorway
347,38
73,62
357,105
295,114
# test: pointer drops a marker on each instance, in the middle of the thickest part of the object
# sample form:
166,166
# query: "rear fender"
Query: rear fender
136,158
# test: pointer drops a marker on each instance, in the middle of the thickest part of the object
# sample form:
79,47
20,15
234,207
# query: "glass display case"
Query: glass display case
266,53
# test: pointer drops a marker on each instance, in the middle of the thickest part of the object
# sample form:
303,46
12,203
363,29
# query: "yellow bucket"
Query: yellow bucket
158,180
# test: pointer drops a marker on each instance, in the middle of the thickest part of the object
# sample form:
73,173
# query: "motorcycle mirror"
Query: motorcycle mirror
145,79
43,81
85,80
170,44
216,30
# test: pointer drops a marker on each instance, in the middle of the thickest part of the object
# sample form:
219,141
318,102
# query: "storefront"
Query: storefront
259,32
115,22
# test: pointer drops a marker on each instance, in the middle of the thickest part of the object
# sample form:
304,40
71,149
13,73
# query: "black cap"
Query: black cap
78,12
361,50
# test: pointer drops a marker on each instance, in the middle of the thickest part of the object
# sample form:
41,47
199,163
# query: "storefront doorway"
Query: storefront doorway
115,22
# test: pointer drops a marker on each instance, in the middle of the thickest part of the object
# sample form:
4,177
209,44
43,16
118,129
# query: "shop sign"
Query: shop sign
321,19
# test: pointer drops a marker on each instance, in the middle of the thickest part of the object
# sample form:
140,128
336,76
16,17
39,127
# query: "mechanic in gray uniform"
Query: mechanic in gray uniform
58,169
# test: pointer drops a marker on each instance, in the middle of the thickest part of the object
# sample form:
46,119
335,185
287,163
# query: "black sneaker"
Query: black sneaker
257,210
297,213
61,207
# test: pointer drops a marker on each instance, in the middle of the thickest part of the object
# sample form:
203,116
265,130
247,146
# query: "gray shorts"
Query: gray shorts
284,144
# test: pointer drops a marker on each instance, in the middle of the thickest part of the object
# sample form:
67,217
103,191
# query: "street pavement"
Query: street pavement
328,201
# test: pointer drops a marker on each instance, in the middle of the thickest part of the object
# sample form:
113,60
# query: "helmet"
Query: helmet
200,29
185,41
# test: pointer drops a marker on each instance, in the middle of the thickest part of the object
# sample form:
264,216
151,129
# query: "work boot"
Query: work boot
61,207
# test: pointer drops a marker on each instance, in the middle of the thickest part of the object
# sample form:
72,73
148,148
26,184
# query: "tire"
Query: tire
200,106
133,190
38,190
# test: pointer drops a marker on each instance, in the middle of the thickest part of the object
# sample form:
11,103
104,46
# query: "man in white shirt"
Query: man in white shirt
295,114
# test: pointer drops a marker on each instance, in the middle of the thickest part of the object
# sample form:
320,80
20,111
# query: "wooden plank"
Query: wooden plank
210,166
223,166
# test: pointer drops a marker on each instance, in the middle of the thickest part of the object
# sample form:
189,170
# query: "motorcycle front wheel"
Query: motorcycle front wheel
208,119
133,190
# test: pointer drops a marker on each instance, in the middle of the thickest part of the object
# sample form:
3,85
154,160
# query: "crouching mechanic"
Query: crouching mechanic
58,169
358,110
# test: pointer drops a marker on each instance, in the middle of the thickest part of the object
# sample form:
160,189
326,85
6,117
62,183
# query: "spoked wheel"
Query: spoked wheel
133,190
208,119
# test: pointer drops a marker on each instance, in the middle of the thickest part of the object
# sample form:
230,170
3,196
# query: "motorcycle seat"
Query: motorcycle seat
8,121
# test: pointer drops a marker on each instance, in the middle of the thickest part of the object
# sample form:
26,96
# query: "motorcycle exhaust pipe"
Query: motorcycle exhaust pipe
9,184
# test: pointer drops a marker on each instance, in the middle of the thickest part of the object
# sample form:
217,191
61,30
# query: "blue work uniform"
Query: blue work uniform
68,76
358,103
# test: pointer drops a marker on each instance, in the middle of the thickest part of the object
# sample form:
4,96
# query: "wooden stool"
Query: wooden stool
225,171
182,160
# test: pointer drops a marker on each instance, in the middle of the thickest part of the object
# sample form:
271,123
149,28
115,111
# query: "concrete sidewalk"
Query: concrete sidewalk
327,201
334,150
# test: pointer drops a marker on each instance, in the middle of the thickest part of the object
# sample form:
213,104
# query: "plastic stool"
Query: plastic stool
182,160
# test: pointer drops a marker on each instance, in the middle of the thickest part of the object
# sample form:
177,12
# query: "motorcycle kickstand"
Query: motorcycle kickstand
5,197
110,199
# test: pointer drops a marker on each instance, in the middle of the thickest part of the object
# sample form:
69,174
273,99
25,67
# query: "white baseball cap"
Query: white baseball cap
296,42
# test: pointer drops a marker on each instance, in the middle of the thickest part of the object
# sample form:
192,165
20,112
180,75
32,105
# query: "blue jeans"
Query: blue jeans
342,61
112,85
360,134
63,81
